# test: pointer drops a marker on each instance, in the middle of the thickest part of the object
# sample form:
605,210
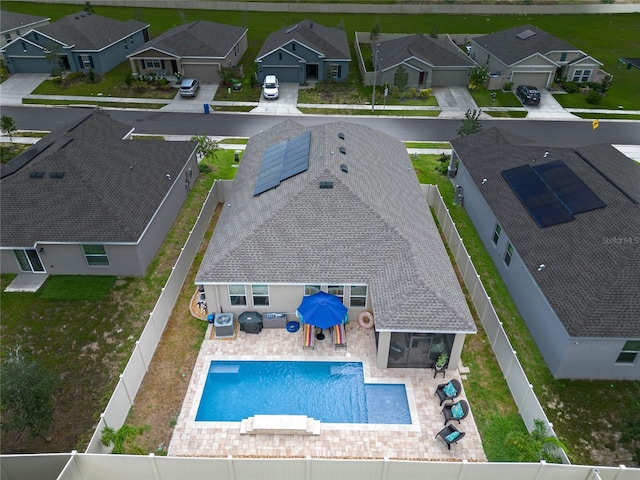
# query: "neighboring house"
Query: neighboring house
352,221
429,62
78,43
305,52
576,278
12,25
527,55
193,50
88,200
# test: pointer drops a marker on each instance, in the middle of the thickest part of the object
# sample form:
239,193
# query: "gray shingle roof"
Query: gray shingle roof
329,41
109,193
197,39
592,275
374,227
13,20
436,52
506,45
90,31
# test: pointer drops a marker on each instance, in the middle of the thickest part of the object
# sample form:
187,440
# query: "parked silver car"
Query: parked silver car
189,87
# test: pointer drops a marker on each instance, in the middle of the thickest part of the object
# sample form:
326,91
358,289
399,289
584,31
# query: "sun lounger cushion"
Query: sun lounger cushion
308,335
452,436
457,411
338,334
450,390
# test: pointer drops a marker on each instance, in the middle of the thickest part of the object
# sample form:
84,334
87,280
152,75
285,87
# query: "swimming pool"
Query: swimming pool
332,392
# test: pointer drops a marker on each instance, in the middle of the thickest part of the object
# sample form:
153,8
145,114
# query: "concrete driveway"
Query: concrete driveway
20,85
192,104
285,105
454,101
548,109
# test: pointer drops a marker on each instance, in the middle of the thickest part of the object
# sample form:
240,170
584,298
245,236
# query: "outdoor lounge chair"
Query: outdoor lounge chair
448,391
339,336
450,434
455,411
309,337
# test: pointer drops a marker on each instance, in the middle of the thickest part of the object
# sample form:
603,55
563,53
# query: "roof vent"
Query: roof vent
341,136
56,175
344,168
291,29
325,184
343,150
36,175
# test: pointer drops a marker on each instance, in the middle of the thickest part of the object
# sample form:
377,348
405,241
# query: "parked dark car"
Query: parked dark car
528,94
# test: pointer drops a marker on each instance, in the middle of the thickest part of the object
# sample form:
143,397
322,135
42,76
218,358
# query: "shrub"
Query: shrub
425,92
594,97
570,87
508,86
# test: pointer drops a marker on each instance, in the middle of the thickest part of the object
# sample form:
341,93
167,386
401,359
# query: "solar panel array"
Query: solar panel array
551,192
281,161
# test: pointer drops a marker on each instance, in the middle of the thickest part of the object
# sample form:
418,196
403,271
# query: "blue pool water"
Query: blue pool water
332,392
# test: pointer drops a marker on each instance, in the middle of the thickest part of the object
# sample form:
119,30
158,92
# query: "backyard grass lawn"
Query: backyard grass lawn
605,37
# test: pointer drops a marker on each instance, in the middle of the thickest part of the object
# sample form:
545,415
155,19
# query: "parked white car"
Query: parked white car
270,88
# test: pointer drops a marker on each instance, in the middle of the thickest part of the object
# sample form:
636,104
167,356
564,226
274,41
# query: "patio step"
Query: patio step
280,425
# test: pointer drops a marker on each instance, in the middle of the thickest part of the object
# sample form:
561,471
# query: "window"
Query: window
581,75
629,352
260,294
153,63
311,289
96,255
508,254
496,234
335,71
7,37
237,295
126,47
35,36
280,56
293,47
337,290
86,61
358,296
563,56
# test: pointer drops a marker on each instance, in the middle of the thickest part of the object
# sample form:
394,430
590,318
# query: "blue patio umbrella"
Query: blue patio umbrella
322,310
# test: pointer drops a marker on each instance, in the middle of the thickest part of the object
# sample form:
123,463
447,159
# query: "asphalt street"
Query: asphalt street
549,132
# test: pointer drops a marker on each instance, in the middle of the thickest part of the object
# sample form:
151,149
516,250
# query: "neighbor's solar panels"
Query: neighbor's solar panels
282,161
551,192
526,34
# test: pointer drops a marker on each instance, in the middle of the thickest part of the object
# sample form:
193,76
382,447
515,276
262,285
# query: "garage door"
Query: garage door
540,80
28,65
284,74
204,73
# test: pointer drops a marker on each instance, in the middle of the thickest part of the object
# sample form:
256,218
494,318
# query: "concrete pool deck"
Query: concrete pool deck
414,442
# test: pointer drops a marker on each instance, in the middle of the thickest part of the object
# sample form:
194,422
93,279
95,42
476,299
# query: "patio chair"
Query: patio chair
309,337
448,391
455,411
450,434
339,336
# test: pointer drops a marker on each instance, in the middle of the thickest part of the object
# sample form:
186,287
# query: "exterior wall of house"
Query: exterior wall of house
484,58
24,57
578,71
569,56
13,33
565,356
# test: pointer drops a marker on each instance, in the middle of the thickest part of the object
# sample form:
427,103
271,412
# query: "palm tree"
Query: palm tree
536,445
124,435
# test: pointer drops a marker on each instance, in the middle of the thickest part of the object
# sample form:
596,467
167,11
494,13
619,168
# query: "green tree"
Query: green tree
27,396
207,147
401,78
88,7
123,439
434,32
536,445
478,77
227,74
375,31
470,123
8,126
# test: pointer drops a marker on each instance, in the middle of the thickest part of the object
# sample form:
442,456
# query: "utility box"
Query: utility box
223,325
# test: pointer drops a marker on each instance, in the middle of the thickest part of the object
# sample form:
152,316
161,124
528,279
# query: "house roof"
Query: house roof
373,227
88,31
592,274
506,46
440,52
196,39
328,41
110,190
12,20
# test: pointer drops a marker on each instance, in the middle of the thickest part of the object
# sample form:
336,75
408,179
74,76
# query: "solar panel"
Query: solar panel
282,161
526,34
543,205
568,187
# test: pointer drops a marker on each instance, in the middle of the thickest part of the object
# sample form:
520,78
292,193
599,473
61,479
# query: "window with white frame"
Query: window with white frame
496,234
96,255
311,289
508,254
358,296
337,290
629,352
153,63
86,61
581,75
237,295
335,71
260,295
